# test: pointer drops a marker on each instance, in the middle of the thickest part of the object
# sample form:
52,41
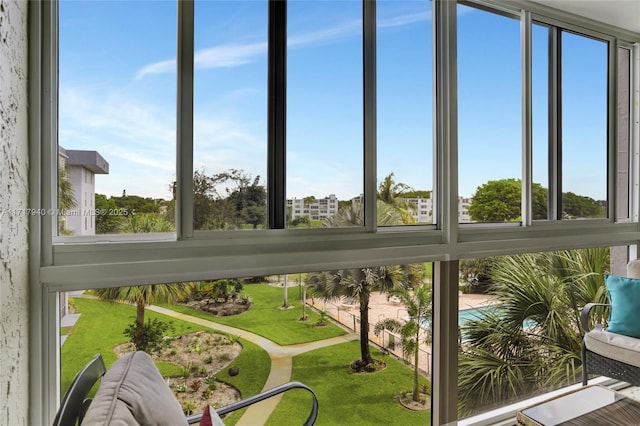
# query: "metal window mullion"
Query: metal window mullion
277,119
527,120
446,118
369,114
184,120
44,365
555,126
612,129
444,395
634,118
445,344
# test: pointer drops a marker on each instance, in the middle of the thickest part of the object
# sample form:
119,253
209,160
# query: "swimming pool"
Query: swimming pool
468,314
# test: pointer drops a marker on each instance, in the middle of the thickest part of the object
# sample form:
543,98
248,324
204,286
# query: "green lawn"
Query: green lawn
346,398
100,328
264,318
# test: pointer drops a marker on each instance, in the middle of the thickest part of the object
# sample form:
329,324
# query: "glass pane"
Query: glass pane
624,133
518,317
540,115
117,97
405,111
584,127
324,113
489,115
230,115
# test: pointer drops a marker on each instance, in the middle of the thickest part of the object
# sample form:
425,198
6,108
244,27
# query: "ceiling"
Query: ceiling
621,13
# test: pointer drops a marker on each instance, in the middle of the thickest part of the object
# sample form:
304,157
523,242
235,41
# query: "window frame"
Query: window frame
68,263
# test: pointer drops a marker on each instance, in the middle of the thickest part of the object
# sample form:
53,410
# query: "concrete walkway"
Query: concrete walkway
281,360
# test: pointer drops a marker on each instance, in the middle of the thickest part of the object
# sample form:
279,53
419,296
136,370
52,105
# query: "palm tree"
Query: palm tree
354,216
144,295
66,199
358,284
389,192
413,331
532,341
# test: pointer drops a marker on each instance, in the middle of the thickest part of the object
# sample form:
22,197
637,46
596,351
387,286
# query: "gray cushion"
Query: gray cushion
133,392
615,346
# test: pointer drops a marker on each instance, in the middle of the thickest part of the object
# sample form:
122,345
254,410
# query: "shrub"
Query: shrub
148,337
188,407
208,359
181,388
195,384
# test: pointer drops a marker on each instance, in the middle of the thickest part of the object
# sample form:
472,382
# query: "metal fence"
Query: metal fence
388,341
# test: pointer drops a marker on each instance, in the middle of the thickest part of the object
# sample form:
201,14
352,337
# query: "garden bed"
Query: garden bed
194,362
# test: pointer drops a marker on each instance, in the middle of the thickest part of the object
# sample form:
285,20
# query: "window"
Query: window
473,89
518,317
230,115
405,149
584,141
324,129
117,107
489,114
570,154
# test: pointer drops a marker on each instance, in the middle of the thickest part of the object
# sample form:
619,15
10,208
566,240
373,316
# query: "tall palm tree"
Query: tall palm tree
532,341
358,284
413,331
144,295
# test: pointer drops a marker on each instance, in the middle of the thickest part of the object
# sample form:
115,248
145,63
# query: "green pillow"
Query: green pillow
624,295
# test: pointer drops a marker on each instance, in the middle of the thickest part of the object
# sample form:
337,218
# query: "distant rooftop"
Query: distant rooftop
91,160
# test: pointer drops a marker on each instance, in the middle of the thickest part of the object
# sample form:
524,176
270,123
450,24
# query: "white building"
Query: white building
314,209
82,166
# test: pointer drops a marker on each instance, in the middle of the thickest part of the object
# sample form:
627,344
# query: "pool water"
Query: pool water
466,315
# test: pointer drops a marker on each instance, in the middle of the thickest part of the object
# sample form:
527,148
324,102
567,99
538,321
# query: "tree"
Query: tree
531,342
357,285
249,199
497,201
301,220
145,223
144,295
390,193
413,331
353,215
107,223
416,194
66,200
578,206
501,201
227,200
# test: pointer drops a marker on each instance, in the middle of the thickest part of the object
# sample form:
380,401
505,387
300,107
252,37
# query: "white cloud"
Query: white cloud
398,21
233,55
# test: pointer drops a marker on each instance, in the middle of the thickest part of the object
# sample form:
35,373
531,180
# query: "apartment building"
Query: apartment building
313,208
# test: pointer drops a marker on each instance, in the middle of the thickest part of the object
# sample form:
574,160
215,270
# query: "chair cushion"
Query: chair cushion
615,346
133,392
624,295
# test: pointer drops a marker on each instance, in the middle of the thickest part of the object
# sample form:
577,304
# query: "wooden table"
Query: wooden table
587,406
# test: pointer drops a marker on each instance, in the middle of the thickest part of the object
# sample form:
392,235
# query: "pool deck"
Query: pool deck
381,308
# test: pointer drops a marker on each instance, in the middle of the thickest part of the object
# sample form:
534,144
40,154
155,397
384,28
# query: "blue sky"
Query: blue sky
118,88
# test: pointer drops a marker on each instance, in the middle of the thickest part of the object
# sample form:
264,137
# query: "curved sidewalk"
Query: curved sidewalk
281,360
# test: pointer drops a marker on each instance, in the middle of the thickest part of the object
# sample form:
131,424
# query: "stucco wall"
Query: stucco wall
14,319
